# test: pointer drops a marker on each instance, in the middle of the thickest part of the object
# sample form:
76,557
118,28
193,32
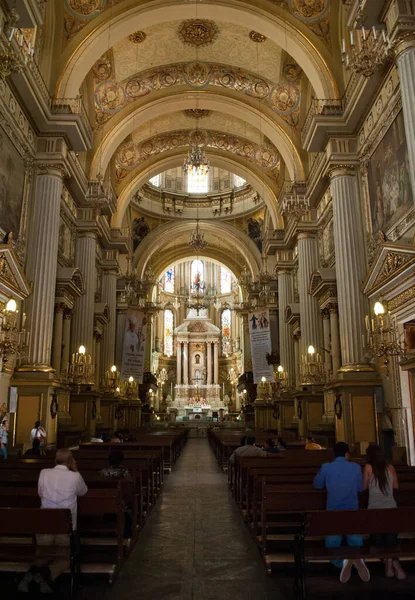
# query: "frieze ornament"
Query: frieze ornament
393,262
130,155
401,300
197,113
283,98
198,32
137,37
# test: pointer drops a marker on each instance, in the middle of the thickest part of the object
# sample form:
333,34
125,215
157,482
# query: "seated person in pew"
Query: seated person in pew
35,449
381,479
96,439
270,447
116,469
343,481
311,444
280,444
248,450
58,488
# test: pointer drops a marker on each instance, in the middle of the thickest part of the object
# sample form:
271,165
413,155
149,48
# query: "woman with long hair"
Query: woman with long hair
380,479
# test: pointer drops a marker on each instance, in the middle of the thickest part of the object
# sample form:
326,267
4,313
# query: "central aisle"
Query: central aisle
194,545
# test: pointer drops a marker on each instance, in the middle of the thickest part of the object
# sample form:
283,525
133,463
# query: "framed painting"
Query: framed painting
390,190
12,177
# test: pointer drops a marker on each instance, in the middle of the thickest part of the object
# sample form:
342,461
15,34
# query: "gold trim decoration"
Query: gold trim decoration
9,62
197,113
356,369
400,300
137,37
257,37
198,32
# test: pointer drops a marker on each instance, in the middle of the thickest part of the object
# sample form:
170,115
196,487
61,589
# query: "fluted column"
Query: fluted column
247,344
96,352
405,59
179,363
109,296
350,264
83,317
209,362
297,358
66,340
148,353
120,333
285,297
57,338
335,339
42,261
186,363
309,308
325,314
216,363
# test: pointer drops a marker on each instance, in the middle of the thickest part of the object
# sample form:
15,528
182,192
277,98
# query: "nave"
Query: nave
195,546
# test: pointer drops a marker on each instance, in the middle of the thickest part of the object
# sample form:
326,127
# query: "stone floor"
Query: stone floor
195,546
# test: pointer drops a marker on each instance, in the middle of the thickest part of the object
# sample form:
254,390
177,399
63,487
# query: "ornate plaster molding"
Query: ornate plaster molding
130,155
283,98
198,32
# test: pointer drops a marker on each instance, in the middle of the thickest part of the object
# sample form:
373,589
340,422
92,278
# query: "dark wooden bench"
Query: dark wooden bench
349,522
18,528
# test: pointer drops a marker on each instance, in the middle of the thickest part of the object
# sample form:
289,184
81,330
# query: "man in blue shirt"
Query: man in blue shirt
343,481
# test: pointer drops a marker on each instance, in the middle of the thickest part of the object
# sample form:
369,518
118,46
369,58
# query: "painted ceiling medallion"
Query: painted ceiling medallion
137,37
198,32
197,113
257,37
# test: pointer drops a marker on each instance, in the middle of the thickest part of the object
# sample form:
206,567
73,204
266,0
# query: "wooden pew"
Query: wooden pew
28,522
326,522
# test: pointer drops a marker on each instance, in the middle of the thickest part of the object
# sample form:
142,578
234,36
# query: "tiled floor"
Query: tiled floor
196,547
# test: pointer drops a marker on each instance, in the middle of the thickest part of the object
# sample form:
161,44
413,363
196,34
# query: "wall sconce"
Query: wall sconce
81,370
13,341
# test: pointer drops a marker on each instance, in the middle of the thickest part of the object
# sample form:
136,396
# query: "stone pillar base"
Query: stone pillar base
354,407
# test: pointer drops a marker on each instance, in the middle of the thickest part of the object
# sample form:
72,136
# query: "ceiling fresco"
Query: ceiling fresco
283,98
315,14
130,155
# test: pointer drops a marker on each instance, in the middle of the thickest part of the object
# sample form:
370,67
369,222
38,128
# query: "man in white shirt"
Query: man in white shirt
248,450
58,488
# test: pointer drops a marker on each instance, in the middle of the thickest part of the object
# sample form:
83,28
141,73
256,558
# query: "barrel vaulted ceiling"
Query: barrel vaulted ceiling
234,77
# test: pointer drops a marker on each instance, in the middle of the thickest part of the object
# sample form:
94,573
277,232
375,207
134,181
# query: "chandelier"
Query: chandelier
381,338
197,239
80,368
369,50
196,162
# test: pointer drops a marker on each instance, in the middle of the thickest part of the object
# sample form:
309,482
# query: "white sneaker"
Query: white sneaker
362,569
389,572
24,584
44,588
346,571
399,572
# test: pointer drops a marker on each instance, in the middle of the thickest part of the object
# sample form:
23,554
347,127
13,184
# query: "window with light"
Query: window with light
226,331
168,332
169,281
196,272
225,281
156,180
238,181
197,182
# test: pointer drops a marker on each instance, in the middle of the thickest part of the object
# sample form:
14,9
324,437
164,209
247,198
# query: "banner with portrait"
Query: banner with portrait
134,345
260,337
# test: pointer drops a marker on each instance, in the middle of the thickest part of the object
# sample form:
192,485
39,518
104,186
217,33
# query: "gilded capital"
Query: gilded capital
341,171
403,44
53,170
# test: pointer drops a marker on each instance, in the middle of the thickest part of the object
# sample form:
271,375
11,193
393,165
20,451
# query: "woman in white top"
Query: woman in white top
381,479
38,432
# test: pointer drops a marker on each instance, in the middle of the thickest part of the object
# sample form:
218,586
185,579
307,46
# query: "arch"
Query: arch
116,27
151,109
153,245
239,167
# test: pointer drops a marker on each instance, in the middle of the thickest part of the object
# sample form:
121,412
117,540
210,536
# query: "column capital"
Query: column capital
53,170
404,43
333,308
68,313
304,234
60,307
341,170
325,313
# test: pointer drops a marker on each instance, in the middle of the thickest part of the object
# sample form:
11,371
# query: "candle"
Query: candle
363,33
351,38
384,35
344,46
375,35
367,322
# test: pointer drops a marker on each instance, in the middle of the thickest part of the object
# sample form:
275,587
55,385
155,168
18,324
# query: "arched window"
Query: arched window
238,181
225,281
169,280
197,359
196,272
226,331
156,180
168,332
197,183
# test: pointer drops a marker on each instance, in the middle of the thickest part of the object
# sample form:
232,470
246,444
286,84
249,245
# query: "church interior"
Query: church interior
207,230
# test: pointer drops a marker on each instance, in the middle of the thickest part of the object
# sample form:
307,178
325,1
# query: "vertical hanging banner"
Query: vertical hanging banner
134,346
260,337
